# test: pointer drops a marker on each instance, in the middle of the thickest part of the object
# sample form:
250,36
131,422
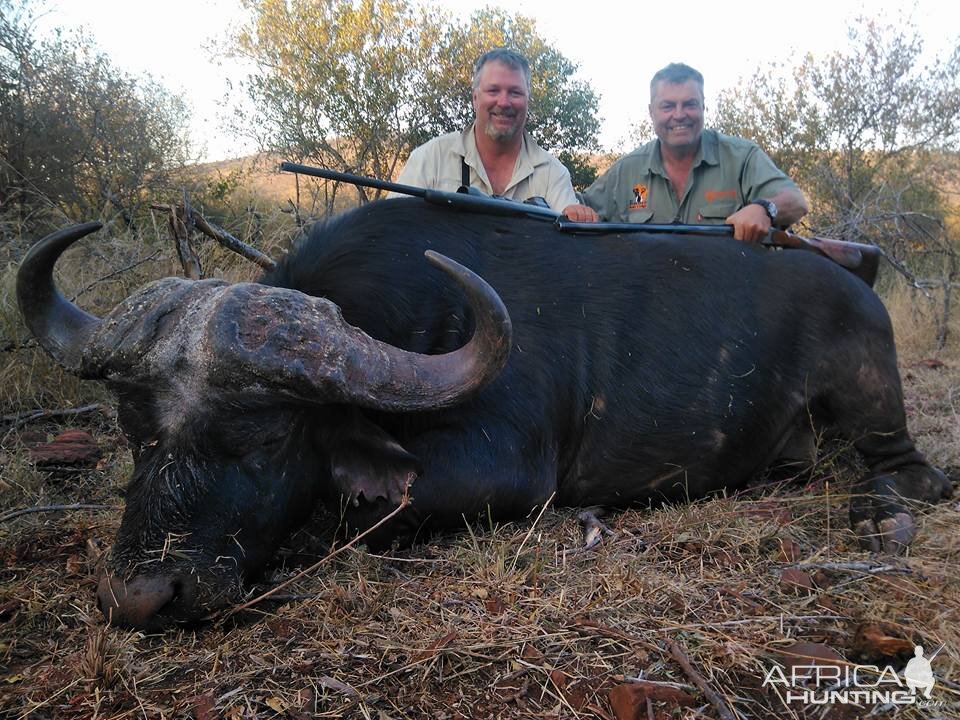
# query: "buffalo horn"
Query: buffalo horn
284,342
60,327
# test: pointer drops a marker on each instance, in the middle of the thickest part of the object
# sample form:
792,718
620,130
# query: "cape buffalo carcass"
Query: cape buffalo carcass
640,367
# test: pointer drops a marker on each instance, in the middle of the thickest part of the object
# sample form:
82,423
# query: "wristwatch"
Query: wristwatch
769,205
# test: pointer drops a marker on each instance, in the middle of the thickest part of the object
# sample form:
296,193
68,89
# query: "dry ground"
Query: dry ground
514,620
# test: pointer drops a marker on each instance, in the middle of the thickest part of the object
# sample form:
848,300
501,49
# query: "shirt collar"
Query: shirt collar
531,156
707,153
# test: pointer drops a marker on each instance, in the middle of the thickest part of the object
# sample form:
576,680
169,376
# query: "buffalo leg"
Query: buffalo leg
866,403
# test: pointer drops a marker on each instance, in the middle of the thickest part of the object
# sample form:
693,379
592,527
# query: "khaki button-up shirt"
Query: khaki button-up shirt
727,173
437,165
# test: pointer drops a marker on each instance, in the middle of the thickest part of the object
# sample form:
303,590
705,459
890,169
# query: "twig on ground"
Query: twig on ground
606,631
11,514
678,654
867,566
404,502
530,531
23,418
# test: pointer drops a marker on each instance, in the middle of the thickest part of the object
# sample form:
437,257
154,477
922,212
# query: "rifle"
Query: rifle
860,259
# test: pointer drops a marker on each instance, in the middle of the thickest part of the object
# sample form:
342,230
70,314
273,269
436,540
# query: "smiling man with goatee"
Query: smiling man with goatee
495,155
693,176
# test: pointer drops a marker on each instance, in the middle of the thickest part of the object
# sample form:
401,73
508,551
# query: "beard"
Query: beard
500,134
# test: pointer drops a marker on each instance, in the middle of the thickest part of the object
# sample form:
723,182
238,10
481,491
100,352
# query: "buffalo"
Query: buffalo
604,371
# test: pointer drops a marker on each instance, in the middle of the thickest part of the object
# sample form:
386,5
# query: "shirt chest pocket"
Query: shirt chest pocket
717,212
640,215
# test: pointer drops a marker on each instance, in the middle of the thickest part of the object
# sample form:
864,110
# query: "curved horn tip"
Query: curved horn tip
443,262
60,327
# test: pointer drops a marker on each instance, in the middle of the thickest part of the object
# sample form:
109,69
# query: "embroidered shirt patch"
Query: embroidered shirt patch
639,197
712,195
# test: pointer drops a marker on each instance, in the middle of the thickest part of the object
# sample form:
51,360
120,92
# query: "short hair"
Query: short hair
675,73
505,56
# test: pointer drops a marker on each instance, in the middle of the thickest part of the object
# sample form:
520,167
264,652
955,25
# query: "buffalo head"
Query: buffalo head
223,389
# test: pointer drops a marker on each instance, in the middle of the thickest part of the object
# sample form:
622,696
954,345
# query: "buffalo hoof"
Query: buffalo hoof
593,527
882,514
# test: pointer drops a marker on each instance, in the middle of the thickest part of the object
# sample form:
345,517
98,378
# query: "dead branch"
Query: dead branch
48,508
182,224
18,419
678,654
213,231
180,220
228,241
295,209
583,624
866,566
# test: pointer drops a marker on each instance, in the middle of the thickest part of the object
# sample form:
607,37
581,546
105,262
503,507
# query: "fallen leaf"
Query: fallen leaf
789,550
8,609
629,701
438,645
494,605
331,684
276,704
873,641
808,653
796,581
531,654
204,706
73,447
769,509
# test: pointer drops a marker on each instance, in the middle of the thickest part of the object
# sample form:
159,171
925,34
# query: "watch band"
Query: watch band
768,205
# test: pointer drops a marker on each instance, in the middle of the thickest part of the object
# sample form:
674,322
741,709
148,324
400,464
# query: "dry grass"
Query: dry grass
508,621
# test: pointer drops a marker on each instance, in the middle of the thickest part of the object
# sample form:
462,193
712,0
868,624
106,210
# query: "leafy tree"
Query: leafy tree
76,133
871,135
356,86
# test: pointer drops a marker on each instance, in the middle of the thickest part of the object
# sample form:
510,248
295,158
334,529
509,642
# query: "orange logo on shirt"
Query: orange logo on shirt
639,197
712,195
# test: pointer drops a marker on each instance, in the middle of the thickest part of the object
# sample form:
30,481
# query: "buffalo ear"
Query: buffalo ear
367,461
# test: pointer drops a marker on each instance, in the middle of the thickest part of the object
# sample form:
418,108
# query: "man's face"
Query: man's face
500,102
677,113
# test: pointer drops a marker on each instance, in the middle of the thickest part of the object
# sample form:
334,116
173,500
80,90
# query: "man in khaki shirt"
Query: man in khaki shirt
495,154
690,175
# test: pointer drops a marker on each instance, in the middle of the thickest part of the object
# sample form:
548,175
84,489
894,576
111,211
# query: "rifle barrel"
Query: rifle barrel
353,179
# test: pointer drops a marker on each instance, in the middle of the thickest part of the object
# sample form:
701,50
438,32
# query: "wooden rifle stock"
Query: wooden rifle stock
860,259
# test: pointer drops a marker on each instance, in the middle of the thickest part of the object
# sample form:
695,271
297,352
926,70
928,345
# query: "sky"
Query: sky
617,45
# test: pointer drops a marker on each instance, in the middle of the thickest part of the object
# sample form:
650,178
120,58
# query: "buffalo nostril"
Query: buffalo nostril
135,603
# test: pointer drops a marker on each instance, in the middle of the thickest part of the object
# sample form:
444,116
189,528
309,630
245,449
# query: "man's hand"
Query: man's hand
581,213
750,223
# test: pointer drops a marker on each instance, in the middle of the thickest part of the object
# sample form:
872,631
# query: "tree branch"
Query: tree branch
23,418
